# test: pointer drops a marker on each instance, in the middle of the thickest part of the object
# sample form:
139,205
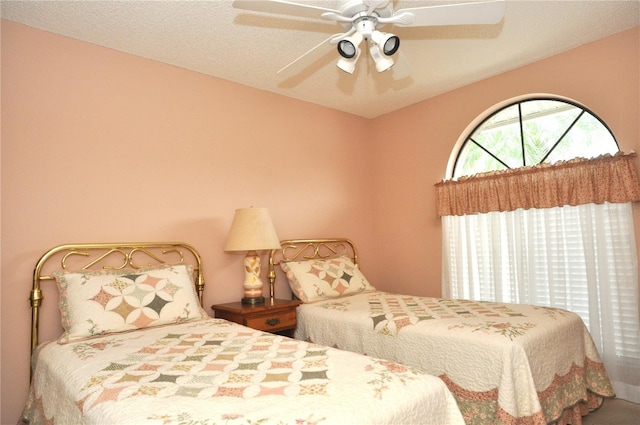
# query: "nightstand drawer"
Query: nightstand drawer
272,322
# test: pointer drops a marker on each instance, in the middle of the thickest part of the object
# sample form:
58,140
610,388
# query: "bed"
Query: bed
504,363
138,348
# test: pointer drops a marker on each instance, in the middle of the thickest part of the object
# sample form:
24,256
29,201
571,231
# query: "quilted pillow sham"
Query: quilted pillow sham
94,303
316,280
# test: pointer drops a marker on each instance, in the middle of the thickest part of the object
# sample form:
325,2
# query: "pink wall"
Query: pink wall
413,146
103,146
98,145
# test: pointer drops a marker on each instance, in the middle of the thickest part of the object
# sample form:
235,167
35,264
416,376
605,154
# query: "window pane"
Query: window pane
475,160
544,123
587,139
500,135
533,131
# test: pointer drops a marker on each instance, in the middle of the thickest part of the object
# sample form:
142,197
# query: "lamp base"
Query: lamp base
253,300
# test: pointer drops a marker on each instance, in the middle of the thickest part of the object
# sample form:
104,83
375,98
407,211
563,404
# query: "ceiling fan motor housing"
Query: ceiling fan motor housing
350,8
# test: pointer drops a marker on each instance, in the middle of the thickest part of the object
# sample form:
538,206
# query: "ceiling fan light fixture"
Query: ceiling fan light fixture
348,65
391,45
383,63
346,49
387,42
348,46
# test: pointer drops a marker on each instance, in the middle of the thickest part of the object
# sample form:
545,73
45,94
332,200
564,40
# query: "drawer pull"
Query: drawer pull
273,321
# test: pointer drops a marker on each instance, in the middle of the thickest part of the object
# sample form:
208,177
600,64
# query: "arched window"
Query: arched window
581,258
531,131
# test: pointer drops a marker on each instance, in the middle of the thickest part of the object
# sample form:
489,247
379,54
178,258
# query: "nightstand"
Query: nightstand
277,316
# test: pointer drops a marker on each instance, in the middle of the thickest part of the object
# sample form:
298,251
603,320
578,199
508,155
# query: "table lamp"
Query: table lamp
252,230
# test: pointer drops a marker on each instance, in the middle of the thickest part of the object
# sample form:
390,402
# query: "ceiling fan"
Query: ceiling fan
361,20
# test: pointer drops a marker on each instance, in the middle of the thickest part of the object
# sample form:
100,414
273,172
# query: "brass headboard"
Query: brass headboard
309,249
115,256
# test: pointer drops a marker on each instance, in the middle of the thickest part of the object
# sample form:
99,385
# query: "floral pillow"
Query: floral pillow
94,303
316,280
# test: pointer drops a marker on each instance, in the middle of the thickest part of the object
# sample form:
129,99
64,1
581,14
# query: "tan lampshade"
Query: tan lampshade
252,230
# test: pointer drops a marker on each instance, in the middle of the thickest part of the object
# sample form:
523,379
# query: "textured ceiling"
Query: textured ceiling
249,48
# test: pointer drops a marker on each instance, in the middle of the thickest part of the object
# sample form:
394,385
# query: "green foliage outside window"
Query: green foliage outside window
531,132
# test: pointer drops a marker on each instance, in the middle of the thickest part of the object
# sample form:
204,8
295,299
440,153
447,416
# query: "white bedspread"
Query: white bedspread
505,363
218,372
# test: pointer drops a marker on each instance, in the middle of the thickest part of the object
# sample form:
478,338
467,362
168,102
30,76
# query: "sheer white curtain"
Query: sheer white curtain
581,258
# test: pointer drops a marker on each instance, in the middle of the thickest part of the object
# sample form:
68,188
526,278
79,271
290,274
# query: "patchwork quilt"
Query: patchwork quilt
216,372
504,363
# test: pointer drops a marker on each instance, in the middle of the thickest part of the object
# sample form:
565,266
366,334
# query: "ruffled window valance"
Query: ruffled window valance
578,181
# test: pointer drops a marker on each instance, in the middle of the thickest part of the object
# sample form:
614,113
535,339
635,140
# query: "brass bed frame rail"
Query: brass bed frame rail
114,256
309,249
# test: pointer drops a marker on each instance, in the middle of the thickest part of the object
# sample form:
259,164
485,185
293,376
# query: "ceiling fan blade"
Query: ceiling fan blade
283,8
309,57
337,17
374,4
485,12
